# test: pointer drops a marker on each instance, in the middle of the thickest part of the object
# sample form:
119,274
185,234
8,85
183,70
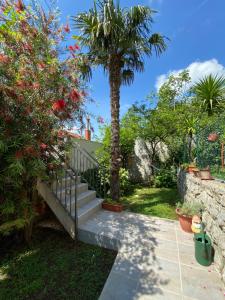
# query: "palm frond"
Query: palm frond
210,92
107,29
157,42
127,76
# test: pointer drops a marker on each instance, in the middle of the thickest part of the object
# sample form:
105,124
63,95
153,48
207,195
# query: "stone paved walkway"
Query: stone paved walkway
155,259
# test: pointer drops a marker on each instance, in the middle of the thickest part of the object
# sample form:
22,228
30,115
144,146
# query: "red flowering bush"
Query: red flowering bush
39,95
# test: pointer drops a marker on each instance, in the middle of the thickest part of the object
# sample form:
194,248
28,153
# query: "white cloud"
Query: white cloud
196,70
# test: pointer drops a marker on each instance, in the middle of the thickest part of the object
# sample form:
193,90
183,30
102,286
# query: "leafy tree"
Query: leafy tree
117,38
39,94
210,93
174,91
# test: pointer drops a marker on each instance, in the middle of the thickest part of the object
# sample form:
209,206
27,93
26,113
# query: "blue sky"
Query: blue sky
196,29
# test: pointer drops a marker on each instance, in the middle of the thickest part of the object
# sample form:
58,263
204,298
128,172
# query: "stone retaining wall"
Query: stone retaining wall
212,195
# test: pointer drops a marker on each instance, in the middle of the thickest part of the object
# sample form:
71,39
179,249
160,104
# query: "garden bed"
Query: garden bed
54,268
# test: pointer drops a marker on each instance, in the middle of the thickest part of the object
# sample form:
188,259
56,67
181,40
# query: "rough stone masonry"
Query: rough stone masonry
211,194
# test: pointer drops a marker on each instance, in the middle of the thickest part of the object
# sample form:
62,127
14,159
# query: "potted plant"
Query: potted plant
185,211
189,168
112,206
192,168
205,174
213,137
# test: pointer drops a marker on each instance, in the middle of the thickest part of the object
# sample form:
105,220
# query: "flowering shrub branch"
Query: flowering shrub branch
39,94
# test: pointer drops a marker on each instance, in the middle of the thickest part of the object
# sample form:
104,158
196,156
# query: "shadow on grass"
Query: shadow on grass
53,267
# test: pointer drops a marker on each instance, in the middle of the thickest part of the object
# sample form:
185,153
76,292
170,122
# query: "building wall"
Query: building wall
90,146
211,194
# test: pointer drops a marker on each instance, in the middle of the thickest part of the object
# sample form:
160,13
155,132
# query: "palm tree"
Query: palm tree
210,91
117,39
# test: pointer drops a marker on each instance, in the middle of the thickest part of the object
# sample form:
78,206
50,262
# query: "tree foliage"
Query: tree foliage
39,94
117,39
210,93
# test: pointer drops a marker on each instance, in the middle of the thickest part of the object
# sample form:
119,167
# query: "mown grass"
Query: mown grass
160,202
52,267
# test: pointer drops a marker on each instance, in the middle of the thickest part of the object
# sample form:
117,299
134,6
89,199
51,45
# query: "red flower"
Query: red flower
41,65
61,133
8,119
36,85
74,48
67,28
30,150
4,59
21,84
43,146
19,154
71,48
59,105
27,47
74,95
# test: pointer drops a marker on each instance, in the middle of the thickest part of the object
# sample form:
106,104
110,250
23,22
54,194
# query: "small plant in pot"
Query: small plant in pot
190,168
185,211
112,206
205,174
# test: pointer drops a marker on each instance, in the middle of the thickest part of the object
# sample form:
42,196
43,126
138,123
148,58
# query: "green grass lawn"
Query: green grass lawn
160,202
54,268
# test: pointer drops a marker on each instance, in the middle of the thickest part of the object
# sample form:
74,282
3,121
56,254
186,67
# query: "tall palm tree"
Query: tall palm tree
210,91
117,39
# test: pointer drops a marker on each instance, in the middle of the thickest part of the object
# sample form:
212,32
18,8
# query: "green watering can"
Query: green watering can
203,249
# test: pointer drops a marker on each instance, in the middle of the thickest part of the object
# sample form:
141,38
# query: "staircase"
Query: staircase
77,193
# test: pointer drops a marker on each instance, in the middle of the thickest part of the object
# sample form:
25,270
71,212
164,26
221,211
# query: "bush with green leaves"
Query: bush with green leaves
39,94
165,178
124,182
189,209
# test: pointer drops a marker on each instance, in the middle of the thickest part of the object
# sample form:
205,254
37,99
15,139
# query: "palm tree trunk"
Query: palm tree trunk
115,83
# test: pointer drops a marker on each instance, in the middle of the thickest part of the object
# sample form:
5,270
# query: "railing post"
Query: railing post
75,208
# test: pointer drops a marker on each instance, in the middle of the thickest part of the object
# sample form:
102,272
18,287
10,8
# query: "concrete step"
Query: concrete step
87,210
66,182
83,199
98,238
65,192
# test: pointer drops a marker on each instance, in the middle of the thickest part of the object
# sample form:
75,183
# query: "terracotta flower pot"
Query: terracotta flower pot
191,168
205,174
213,137
185,221
112,207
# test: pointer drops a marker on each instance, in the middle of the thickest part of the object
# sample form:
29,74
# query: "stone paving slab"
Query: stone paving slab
155,259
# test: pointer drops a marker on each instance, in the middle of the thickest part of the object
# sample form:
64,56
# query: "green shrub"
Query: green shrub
124,181
189,209
165,178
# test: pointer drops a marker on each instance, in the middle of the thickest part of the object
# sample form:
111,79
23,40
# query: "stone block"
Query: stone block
223,275
219,260
221,218
215,232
